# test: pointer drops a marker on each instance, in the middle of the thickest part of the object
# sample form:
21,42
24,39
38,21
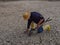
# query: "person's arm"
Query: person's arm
39,23
28,24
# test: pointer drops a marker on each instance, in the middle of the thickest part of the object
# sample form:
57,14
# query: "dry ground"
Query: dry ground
12,24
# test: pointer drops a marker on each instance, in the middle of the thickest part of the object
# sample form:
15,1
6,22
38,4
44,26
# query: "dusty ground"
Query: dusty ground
12,24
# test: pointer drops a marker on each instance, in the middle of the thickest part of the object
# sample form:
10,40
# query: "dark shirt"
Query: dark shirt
35,17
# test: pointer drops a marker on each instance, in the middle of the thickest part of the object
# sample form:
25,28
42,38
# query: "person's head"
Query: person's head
26,15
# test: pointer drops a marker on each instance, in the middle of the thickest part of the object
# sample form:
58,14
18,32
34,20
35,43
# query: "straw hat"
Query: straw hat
26,15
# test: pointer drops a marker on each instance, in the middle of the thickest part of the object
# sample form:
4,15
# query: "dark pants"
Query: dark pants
40,29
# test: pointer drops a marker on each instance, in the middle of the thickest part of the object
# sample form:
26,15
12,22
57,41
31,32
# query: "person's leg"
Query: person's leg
40,29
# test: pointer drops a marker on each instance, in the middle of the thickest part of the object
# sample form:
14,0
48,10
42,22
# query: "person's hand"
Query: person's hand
26,31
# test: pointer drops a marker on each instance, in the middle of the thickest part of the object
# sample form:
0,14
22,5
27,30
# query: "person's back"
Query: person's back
36,17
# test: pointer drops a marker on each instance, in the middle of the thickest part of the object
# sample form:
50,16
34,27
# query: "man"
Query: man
33,17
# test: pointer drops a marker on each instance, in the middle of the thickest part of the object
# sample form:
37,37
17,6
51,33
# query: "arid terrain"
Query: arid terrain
12,24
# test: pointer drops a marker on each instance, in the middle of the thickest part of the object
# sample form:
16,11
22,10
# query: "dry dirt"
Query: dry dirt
12,24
